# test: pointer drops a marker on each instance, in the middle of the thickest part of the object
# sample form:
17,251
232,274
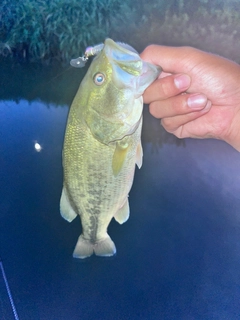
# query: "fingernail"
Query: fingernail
182,81
197,101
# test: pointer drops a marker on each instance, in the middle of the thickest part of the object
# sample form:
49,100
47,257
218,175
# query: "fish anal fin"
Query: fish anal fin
119,157
66,209
122,214
139,155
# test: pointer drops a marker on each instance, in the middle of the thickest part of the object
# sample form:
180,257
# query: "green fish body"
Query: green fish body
102,144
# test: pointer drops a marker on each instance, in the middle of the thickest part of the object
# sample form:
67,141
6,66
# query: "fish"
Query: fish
102,144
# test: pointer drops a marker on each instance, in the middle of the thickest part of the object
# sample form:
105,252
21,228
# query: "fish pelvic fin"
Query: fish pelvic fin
85,248
66,209
122,214
139,155
119,156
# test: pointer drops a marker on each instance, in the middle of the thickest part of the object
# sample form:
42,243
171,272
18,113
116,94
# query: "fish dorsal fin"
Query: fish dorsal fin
119,157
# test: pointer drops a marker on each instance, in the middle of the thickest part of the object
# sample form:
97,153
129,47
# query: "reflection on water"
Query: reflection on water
37,147
53,84
178,255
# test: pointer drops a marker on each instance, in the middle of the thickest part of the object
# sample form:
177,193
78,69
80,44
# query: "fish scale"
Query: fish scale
103,144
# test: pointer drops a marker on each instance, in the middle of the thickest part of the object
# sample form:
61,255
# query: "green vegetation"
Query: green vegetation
213,29
46,30
59,29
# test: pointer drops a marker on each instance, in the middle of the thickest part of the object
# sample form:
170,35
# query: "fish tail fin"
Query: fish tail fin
85,248
105,247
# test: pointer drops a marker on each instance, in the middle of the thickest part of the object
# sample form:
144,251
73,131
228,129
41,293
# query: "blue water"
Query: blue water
178,256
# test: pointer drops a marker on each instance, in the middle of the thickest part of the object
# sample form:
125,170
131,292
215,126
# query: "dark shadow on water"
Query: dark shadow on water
155,134
30,81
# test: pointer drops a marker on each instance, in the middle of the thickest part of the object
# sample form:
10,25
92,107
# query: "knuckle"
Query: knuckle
149,52
167,86
154,110
178,133
179,104
168,125
150,48
187,50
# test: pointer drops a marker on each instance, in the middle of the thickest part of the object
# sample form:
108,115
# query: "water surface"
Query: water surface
178,256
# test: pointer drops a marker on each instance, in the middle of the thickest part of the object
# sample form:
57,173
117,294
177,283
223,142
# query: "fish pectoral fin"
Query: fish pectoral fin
66,209
139,155
119,157
122,214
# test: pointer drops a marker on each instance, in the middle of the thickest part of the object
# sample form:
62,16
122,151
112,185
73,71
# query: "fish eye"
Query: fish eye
99,78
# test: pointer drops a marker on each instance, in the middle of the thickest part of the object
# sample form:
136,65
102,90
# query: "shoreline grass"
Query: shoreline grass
53,29
58,30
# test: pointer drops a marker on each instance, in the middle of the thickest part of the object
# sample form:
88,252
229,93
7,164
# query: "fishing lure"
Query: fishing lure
93,51
90,51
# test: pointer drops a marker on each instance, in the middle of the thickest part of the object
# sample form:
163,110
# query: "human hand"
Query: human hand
197,95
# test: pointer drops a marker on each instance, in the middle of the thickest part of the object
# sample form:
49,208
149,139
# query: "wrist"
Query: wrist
233,135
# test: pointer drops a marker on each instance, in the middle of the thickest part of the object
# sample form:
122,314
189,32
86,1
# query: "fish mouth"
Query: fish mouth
120,49
124,56
150,72
129,70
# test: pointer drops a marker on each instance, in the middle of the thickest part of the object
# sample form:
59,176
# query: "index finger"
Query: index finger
171,59
166,87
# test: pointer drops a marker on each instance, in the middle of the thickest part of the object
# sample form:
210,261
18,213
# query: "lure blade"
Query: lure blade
79,62
90,52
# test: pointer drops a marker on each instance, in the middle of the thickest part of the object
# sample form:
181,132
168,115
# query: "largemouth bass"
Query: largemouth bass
102,144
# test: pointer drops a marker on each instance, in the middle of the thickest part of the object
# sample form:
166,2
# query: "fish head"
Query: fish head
128,69
113,88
